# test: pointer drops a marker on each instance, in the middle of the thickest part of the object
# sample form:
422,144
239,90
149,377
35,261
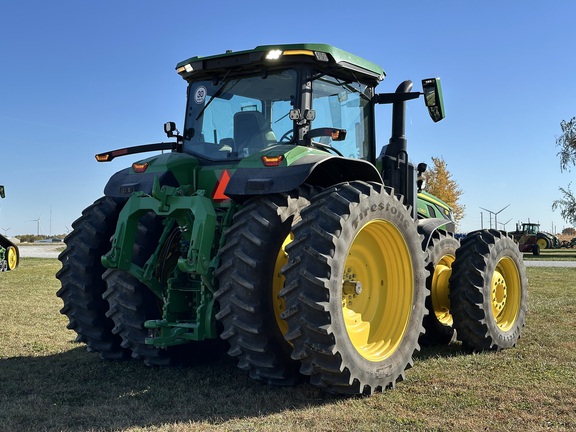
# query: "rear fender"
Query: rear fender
171,169
321,170
427,227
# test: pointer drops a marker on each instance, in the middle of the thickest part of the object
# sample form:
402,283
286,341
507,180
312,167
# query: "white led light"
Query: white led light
273,55
188,68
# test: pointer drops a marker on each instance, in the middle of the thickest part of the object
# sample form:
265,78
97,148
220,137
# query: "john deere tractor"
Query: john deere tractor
271,223
531,239
9,253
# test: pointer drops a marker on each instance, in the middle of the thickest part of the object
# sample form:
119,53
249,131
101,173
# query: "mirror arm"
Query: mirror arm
388,98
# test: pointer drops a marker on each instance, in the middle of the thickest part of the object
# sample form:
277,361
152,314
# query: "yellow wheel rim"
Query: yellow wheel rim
278,283
505,293
541,242
12,258
440,290
377,318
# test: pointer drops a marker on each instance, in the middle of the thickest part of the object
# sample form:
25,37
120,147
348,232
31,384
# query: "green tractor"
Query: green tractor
531,239
9,253
270,224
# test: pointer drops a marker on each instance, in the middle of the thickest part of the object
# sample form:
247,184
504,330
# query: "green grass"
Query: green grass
49,382
552,255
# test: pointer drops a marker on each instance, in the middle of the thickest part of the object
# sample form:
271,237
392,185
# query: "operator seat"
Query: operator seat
252,132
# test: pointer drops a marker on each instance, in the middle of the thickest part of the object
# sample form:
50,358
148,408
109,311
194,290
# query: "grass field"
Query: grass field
553,255
48,382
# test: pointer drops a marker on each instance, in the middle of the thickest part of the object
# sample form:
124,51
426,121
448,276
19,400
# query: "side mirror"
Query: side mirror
433,98
2,194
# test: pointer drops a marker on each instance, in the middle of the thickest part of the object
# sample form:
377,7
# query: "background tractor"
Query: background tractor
271,223
531,239
9,253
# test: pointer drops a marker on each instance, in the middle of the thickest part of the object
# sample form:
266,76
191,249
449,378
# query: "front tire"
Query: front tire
489,291
355,289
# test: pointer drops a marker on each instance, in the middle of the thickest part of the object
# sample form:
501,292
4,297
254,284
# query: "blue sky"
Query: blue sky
81,77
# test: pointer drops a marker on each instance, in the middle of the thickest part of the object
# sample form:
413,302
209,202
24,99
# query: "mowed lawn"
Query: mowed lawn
49,382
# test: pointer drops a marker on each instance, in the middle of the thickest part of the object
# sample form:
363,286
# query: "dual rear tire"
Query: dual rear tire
488,291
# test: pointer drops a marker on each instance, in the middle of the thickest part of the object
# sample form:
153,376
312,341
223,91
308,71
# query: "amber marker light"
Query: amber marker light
103,157
140,167
299,52
272,161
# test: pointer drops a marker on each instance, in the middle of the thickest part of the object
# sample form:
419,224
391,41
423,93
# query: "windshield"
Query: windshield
234,117
237,117
346,106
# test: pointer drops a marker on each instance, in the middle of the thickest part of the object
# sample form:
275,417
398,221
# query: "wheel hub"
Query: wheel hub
377,290
499,293
441,291
505,294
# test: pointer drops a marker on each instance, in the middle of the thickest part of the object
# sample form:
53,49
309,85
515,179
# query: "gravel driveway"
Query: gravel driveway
530,263
41,250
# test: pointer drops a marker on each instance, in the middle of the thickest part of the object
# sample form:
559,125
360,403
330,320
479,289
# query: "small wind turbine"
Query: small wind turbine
504,224
495,215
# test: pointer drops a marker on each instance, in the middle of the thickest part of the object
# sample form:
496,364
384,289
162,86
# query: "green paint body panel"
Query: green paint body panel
428,203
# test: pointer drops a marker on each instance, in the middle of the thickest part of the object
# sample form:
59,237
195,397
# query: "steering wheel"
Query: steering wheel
287,136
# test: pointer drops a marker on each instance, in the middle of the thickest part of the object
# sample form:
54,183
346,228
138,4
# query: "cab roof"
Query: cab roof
266,55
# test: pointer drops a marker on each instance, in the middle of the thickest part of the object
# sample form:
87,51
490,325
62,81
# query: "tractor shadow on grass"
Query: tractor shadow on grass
76,390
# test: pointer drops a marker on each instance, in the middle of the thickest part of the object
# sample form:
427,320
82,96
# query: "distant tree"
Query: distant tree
439,183
567,153
567,143
569,231
567,205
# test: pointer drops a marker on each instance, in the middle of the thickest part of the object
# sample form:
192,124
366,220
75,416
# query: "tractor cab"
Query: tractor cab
309,95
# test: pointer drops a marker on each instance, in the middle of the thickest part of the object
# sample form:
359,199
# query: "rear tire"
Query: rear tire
81,278
355,289
489,291
439,322
543,242
249,285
